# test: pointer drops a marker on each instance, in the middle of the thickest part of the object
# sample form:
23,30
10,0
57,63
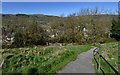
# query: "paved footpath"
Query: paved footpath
83,64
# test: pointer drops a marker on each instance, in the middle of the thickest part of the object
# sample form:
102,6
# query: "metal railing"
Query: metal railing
95,52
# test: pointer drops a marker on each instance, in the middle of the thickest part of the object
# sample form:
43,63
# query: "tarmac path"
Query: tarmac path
83,64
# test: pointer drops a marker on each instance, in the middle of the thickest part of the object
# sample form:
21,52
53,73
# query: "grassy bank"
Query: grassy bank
110,52
40,59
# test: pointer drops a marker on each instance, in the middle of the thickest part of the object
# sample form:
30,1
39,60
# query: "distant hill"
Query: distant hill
38,17
45,18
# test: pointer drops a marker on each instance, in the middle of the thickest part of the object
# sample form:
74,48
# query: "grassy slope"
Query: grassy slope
0,56
41,59
109,52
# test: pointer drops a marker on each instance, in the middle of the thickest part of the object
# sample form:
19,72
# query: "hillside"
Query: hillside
45,28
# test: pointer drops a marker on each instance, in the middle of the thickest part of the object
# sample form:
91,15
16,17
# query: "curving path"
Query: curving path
83,64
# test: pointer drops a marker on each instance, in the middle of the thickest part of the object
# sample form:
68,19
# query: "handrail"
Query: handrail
96,52
110,65
1,65
100,67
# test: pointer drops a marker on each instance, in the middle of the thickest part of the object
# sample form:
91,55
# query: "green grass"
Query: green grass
41,59
110,52
1,61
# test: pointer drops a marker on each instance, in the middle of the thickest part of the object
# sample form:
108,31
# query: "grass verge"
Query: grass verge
110,52
40,59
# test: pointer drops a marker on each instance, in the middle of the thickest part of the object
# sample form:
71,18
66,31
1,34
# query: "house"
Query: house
85,31
7,38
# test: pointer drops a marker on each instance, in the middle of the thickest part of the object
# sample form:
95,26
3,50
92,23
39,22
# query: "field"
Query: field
40,59
110,52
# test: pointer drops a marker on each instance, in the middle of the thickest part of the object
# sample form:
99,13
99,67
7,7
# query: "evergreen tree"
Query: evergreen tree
115,29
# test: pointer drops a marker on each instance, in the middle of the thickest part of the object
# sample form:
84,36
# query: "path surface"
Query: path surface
83,64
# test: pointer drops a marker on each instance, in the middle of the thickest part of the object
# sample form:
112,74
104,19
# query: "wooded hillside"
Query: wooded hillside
19,30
